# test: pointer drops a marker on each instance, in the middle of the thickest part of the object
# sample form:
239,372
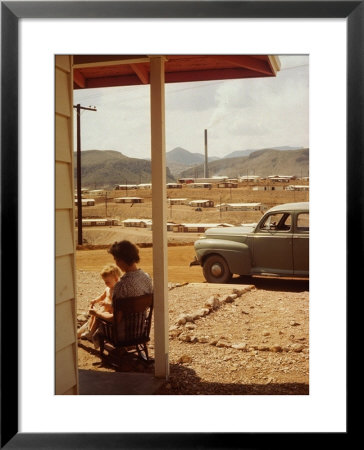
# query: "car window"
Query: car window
277,222
303,224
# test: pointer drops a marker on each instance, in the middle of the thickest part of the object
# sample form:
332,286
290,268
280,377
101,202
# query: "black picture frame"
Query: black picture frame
11,12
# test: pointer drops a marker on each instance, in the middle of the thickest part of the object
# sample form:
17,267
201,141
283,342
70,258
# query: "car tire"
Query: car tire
216,270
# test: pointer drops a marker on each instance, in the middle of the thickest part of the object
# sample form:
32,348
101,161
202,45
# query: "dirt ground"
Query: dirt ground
252,339
255,340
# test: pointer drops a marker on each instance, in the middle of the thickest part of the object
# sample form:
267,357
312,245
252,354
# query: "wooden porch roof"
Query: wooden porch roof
95,71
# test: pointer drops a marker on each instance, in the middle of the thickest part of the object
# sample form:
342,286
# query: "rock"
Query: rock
227,299
190,326
244,312
184,337
293,323
297,348
189,317
241,346
266,333
181,320
263,348
214,341
281,332
203,339
174,333
213,302
185,359
223,344
276,348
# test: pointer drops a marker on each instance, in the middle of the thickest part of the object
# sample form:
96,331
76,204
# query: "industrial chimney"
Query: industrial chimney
206,171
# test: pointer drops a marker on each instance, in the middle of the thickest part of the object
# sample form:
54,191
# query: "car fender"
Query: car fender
237,255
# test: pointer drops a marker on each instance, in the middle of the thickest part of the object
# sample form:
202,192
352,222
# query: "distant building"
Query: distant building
139,223
227,184
177,201
296,187
125,187
250,178
129,200
86,202
174,185
281,178
197,227
240,207
201,185
268,188
202,203
186,180
97,222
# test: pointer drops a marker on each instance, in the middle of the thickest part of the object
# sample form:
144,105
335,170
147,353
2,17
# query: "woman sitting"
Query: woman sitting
134,283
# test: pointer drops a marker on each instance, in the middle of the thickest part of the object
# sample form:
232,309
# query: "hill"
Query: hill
180,159
261,162
104,168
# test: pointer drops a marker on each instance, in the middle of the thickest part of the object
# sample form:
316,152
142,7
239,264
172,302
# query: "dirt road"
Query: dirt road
179,259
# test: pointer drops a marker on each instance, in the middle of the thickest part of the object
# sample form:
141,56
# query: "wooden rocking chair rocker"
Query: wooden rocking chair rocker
130,326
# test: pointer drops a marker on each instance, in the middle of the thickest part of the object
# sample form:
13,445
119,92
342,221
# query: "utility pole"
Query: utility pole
79,201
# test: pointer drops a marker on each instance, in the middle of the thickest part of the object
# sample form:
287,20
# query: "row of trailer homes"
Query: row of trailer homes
208,183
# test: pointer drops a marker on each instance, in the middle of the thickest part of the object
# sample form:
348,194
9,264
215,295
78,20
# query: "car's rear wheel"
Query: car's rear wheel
216,270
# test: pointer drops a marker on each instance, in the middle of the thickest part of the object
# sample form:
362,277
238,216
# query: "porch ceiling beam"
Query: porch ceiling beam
103,61
141,72
213,74
248,62
79,79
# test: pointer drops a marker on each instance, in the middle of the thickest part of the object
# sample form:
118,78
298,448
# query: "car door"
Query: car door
301,244
272,245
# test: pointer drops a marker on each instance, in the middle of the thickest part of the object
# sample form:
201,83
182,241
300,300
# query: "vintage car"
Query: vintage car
278,245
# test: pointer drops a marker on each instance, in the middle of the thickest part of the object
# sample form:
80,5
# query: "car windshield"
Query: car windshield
277,221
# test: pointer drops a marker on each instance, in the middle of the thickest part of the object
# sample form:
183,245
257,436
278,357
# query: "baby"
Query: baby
110,274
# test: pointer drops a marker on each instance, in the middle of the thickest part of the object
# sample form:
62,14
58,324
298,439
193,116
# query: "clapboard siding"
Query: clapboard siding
65,330
63,139
65,289
64,232
66,372
64,193
63,95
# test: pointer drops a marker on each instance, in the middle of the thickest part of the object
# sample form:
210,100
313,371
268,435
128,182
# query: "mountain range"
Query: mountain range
260,162
105,168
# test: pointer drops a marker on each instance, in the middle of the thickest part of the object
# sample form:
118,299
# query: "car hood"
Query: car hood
232,233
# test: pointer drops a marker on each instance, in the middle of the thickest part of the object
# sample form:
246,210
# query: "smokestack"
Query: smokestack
206,171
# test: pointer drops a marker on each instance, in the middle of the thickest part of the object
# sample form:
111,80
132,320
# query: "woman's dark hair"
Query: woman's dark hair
126,251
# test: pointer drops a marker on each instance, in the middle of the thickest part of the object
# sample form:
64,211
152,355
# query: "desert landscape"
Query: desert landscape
254,338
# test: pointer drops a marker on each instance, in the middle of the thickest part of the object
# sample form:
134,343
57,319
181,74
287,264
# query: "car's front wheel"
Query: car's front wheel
216,270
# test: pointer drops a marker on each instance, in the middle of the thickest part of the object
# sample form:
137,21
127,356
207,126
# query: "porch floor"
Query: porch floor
93,382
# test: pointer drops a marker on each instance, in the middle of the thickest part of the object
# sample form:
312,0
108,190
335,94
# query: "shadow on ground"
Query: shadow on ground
184,381
274,284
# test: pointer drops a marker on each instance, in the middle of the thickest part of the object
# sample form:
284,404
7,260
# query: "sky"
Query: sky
238,114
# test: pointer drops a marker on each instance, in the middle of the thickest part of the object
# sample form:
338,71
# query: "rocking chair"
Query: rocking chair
130,326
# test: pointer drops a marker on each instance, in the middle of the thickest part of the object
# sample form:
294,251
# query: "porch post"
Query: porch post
159,216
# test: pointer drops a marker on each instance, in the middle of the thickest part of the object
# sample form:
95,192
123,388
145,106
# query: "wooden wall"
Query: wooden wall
66,382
